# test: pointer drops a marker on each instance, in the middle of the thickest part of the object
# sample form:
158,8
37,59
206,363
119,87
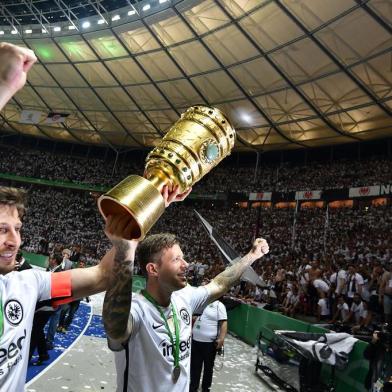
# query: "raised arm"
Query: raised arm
231,275
117,318
116,314
15,62
89,281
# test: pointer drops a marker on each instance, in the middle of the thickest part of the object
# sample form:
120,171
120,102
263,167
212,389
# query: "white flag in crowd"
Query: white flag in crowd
30,116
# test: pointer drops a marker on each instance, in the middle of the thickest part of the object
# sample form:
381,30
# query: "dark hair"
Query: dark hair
57,258
150,250
13,197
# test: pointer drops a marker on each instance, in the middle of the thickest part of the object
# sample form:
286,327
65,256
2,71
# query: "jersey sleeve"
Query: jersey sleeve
198,298
222,314
42,279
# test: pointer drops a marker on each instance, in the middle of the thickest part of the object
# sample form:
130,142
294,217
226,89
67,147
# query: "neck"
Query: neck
161,295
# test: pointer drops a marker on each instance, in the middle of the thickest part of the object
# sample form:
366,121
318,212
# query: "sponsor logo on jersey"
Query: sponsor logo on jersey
13,312
12,354
167,347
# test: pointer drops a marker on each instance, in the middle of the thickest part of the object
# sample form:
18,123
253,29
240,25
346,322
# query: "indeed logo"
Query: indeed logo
13,349
167,347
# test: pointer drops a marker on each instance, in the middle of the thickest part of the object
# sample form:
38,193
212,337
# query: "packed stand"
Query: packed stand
281,178
308,270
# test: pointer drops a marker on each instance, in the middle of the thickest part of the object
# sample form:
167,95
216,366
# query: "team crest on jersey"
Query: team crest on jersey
185,316
13,312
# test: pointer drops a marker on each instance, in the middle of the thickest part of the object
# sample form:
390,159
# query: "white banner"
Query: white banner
30,117
364,191
261,196
386,189
308,195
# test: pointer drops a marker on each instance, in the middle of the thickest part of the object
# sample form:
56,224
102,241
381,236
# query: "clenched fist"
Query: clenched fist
15,62
259,248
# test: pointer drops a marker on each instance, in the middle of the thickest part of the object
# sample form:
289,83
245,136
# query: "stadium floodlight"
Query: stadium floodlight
44,31
115,17
57,29
101,21
1,32
28,31
86,24
146,7
71,27
162,1
13,32
246,117
131,12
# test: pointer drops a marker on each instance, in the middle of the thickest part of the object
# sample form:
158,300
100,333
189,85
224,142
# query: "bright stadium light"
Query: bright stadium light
28,31
146,7
115,17
86,24
57,29
1,32
246,117
44,31
13,32
131,12
71,27
162,1
101,21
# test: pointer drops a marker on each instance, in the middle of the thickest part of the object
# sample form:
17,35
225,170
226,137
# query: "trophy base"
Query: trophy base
139,199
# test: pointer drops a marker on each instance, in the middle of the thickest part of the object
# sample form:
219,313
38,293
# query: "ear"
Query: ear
152,269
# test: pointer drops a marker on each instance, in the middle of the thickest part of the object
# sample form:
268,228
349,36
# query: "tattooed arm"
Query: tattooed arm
117,318
231,275
92,280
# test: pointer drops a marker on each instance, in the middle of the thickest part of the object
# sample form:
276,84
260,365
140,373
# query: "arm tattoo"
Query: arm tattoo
228,278
117,303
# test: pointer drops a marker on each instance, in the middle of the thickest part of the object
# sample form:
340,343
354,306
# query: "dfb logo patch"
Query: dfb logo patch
185,316
13,312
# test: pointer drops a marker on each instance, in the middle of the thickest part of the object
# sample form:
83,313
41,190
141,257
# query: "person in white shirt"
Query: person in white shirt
20,291
356,310
208,335
354,282
341,280
342,310
320,284
151,332
365,318
323,312
66,263
291,302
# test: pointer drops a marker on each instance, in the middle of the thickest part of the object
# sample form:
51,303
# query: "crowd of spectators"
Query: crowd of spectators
284,177
308,269
299,259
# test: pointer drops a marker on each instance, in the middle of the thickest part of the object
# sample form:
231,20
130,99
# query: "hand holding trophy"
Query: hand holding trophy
195,144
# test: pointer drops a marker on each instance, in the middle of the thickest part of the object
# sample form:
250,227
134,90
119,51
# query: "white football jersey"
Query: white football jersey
145,363
19,292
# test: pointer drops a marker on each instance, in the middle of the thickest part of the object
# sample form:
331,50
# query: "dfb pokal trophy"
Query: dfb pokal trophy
195,144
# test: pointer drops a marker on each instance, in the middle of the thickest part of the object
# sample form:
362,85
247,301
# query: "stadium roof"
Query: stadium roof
288,73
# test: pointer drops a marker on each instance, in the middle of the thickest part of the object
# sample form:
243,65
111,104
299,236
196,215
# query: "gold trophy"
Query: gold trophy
195,144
